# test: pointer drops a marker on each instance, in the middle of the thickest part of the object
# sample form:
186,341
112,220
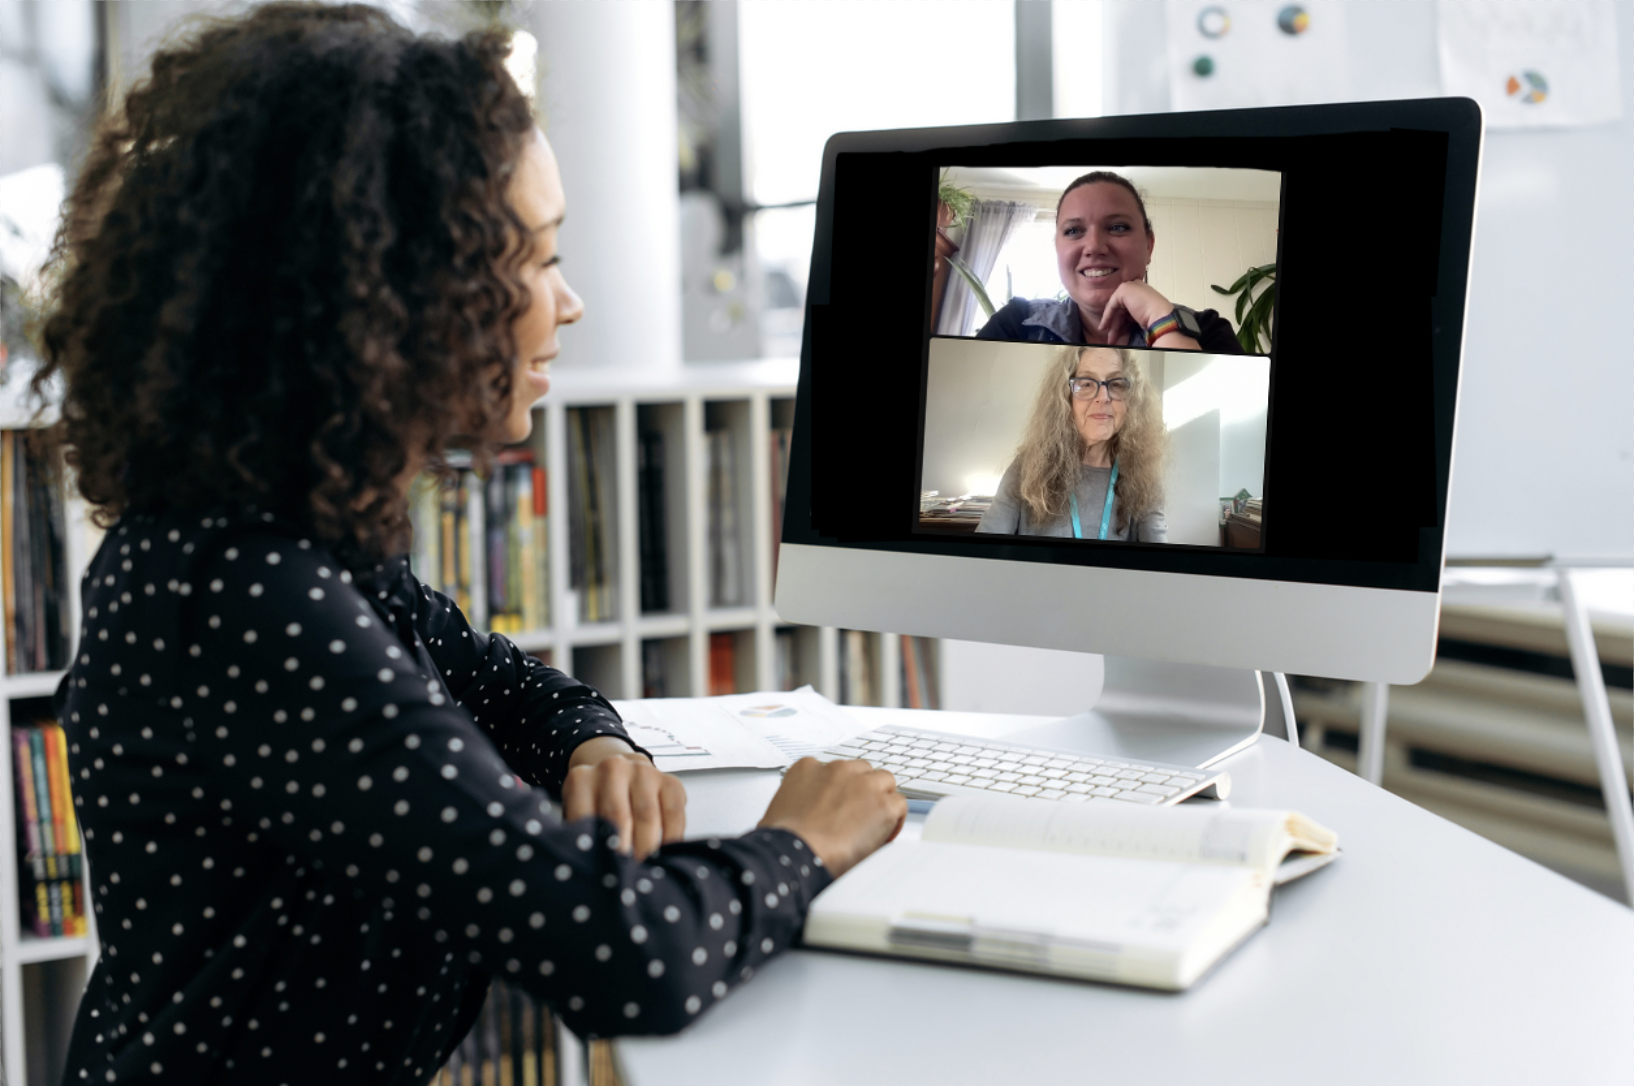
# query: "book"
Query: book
785,664
1150,897
51,867
859,682
727,575
33,560
652,518
590,512
723,653
779,456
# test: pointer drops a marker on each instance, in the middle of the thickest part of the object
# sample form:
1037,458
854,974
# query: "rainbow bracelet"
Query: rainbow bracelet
1162,327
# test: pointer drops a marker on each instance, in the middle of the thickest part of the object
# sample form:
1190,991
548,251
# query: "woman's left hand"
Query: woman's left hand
1139,303
606,777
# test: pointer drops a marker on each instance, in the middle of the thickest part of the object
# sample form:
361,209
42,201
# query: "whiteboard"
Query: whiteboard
1543,459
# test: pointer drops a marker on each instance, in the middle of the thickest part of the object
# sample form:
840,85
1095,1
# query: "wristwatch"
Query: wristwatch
1182,320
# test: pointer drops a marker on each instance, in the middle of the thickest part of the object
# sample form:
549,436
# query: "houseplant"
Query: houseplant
1254,309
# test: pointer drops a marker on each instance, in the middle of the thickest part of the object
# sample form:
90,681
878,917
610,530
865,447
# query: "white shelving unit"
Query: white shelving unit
747,399
41,979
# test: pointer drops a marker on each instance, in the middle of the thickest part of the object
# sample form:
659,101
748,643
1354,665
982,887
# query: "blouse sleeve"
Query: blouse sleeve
535,714
322,735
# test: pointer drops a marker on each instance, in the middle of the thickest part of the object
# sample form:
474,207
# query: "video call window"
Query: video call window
1018,437
1128,257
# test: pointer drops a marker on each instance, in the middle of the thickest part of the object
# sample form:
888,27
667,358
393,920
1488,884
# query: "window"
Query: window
810,69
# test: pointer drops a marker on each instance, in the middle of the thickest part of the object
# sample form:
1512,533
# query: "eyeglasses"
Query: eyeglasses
1087,388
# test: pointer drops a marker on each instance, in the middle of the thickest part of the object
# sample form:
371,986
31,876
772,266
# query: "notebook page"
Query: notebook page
1195,834
1115,903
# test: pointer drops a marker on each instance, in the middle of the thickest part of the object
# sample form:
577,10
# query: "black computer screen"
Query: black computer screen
1357,367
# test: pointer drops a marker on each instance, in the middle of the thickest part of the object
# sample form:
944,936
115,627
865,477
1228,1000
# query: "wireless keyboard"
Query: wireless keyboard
930,765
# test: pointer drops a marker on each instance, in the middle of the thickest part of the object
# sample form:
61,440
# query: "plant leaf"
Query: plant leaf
974,284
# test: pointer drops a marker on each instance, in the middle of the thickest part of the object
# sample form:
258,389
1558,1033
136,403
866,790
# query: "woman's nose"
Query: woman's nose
569,306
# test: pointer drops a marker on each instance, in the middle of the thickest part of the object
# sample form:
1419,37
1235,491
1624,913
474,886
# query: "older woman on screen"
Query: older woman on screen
1103,244
1090,465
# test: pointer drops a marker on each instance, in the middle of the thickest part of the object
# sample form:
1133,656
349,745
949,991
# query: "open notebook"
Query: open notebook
1133,895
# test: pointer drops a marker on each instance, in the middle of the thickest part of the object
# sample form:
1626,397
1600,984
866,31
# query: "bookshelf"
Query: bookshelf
710,427
40,977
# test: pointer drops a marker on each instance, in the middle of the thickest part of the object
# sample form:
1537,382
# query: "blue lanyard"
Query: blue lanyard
1106,509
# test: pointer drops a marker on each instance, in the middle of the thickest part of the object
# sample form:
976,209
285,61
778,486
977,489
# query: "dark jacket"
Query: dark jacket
1053,320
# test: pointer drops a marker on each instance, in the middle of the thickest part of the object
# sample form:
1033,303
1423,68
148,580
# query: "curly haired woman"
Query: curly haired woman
310,252
1090,465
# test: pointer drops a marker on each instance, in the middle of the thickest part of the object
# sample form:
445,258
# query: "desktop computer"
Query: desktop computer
1200,497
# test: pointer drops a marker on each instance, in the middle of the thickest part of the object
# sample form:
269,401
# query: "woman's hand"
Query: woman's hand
606,777
842,810
1142,305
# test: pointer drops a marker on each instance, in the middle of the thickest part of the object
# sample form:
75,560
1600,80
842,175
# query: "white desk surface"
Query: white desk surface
1426,954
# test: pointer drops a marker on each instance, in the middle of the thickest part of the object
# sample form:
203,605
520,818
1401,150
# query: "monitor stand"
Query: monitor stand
1152,710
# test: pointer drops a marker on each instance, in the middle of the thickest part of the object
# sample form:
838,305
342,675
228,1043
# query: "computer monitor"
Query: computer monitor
1331,566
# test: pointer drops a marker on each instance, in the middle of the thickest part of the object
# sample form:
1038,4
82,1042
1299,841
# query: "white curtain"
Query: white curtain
992,224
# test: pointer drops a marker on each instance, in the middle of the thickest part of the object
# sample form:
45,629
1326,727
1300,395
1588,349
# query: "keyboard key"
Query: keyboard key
934,764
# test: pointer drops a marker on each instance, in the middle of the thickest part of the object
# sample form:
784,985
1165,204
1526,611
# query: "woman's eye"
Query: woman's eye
551,263
1072,231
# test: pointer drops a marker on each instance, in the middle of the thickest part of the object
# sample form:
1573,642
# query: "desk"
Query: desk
1426,954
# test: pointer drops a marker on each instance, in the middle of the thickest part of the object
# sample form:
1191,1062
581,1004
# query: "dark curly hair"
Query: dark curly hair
287,272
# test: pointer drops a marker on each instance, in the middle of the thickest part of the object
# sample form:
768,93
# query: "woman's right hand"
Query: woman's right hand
842,810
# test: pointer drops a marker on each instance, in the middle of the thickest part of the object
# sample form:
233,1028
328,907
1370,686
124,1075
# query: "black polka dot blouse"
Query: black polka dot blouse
315,806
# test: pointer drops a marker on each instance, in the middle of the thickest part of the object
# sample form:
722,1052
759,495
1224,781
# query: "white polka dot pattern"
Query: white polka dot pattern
308,851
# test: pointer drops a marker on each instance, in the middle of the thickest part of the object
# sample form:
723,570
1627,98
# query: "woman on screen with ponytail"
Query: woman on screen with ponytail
1103,245
1090,464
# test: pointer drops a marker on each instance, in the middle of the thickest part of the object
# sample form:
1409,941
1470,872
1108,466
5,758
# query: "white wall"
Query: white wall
977,399
1551,198
1236,389
1205,242
1191,499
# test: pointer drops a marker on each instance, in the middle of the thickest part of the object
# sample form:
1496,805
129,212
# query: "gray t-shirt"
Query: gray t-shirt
1009,515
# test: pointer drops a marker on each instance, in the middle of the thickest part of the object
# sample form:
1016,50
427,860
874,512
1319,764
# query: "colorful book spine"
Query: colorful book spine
56,746
36,904
723,650
52,894
42,794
